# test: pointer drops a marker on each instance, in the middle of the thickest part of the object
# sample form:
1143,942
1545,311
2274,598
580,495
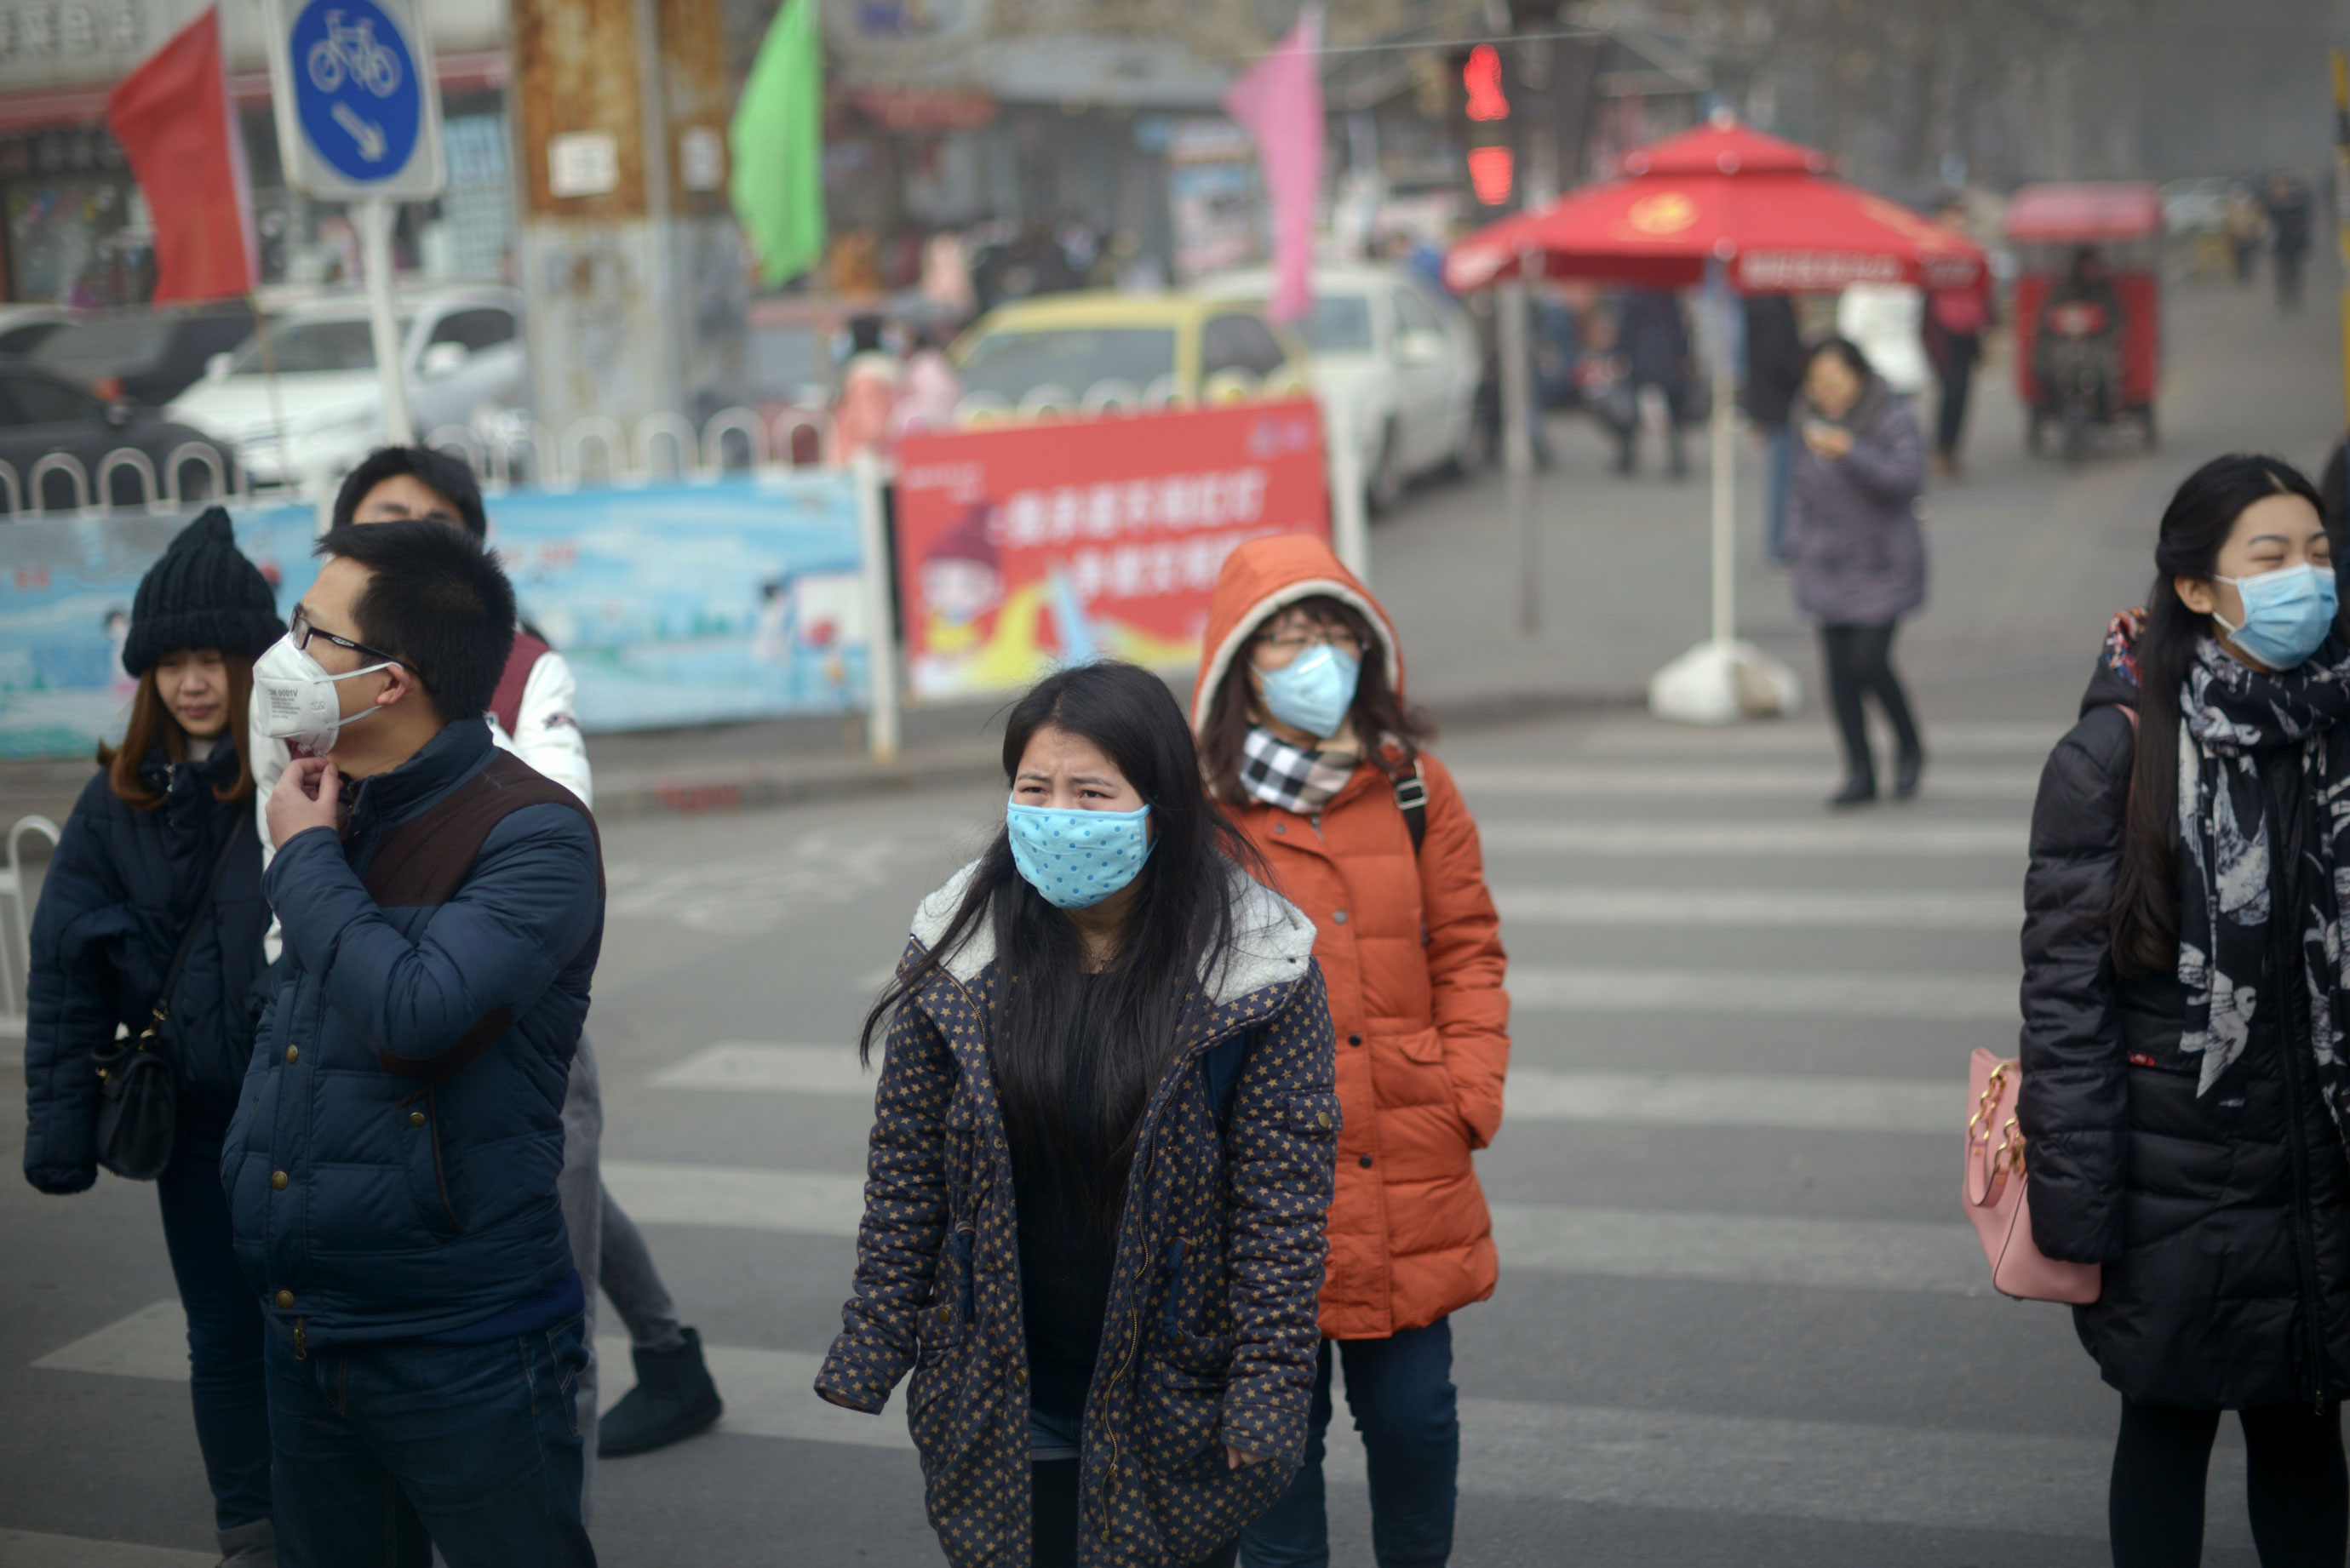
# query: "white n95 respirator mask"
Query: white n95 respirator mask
299,704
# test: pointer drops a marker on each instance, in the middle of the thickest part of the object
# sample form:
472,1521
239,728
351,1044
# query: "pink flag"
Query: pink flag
1279,101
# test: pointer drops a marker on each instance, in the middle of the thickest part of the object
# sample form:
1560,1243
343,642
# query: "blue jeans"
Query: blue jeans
224,1334
385,1451
1400,1390
1780,457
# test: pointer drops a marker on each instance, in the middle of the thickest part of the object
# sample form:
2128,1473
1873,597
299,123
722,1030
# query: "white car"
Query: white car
1394,360
461,347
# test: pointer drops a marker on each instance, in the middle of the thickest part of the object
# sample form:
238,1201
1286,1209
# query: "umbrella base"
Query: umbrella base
1722,682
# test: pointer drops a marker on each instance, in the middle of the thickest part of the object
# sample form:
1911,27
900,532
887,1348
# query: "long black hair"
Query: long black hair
2144,916
1076,1055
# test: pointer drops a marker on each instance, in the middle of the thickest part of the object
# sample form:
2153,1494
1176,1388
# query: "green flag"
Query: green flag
777,147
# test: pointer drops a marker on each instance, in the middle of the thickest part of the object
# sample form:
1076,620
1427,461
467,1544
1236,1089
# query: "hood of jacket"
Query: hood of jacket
1273,941
1264,576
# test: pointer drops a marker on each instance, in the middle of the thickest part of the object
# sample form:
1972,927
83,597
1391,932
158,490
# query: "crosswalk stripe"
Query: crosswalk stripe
1914,909
1811,741
1789,1101
1795,1101
1778,993
1748,783
1870,1254
1895,839
30,1549
1852,1472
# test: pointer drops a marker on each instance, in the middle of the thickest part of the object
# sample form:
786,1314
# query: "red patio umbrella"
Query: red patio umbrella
1770,215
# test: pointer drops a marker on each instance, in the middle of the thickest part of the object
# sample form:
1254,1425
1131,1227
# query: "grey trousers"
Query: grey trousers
580,1187
634,1284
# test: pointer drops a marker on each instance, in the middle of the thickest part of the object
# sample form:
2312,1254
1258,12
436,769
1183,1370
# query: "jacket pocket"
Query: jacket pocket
1314,1115
428,1172
1183,1380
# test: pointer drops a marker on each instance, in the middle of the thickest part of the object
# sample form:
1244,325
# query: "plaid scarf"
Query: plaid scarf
1290,777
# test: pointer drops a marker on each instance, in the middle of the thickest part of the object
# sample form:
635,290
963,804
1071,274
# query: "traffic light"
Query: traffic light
1492,166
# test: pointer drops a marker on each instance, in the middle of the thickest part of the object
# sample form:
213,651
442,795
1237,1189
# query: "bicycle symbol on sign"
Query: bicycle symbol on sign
349,49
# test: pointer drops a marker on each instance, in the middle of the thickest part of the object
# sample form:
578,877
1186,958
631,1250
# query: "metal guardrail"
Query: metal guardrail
16,925
158,492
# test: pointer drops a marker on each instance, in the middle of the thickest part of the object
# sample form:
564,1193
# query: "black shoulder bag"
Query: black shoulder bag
138,1087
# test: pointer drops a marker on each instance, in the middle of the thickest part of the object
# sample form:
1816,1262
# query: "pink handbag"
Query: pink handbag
1993,1189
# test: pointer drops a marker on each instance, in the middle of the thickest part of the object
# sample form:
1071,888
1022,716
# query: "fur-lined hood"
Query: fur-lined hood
1273,941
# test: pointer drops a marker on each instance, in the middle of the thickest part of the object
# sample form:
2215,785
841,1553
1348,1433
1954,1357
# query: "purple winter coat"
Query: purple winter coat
1854,547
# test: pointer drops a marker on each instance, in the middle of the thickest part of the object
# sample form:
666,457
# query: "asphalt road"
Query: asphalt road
1741,1320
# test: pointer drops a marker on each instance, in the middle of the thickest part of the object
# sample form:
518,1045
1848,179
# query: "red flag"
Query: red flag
175,122
1279,99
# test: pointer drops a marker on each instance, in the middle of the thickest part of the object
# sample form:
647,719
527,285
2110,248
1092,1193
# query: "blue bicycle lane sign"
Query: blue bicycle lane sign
358,108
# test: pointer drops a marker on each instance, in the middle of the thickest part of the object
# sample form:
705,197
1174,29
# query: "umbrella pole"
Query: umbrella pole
1517,442
1725,488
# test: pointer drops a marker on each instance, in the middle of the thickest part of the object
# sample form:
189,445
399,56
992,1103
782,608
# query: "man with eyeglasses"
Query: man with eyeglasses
530,715
391,1170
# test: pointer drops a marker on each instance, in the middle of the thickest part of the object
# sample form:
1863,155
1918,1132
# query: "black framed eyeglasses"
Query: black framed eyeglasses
302,631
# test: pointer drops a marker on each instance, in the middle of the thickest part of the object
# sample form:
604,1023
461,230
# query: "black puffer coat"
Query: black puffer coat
2223,1220
117,894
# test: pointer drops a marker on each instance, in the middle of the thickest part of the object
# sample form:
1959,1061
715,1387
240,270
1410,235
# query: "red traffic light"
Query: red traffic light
1483,77
1491,172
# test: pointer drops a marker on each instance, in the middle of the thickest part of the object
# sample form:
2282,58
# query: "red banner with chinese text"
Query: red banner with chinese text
1022,548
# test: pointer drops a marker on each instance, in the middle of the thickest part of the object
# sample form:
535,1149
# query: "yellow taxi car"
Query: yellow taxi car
1099,350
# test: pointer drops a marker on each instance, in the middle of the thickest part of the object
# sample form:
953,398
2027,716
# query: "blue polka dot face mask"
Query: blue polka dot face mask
1077,858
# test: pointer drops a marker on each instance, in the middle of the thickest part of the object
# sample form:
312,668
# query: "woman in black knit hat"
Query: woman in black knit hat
159,871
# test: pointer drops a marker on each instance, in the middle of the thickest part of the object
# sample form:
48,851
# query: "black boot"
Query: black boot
1858,790
672,1401
1905,774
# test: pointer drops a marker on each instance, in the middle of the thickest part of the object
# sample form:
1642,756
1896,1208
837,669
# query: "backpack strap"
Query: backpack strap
1411,798
505,703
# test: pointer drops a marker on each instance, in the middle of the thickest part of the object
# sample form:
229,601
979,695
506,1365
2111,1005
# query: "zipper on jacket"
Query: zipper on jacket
301,1341
2291,960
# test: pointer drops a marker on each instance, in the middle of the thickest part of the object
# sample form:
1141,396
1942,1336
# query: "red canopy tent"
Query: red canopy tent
1772,218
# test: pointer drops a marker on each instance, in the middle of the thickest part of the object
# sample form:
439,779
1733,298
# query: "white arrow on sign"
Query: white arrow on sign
367,133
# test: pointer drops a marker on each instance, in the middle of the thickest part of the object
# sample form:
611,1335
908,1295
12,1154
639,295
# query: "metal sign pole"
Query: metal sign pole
390,370
1517,441
2342,203
1725,458
880,640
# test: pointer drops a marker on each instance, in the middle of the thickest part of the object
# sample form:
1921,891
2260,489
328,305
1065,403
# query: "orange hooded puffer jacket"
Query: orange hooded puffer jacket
1411,950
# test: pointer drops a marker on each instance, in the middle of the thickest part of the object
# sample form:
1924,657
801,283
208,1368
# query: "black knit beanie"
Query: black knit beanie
204,593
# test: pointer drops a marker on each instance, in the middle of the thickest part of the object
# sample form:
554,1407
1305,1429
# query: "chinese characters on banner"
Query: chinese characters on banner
1023,548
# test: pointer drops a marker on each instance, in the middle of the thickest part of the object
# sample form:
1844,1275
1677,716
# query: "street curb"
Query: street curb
758,785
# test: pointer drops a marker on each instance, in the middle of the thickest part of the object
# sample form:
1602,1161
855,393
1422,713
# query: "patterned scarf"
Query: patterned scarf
2230,716
1290,777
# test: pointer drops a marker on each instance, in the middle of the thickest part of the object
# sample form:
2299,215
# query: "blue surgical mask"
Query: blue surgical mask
1077,858
1313,691
2287,613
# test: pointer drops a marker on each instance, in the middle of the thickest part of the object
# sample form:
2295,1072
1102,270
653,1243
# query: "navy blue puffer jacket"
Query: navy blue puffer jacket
382,1186
118,893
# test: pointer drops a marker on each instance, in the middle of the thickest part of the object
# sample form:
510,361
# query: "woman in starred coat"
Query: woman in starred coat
1100,1161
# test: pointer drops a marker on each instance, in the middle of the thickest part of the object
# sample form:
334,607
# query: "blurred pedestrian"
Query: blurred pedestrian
1886,321
1307,743
148,928
2183,1132
1857,552
392,1169
532,714
929,392
869,384
1101,1155
1652,336
2243,224
1955,321
2288,205
1775,374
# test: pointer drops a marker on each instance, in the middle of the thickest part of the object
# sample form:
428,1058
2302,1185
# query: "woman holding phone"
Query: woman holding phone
1856,553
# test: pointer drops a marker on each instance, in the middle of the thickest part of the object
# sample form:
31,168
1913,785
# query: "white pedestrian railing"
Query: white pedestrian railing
16,925
159,492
